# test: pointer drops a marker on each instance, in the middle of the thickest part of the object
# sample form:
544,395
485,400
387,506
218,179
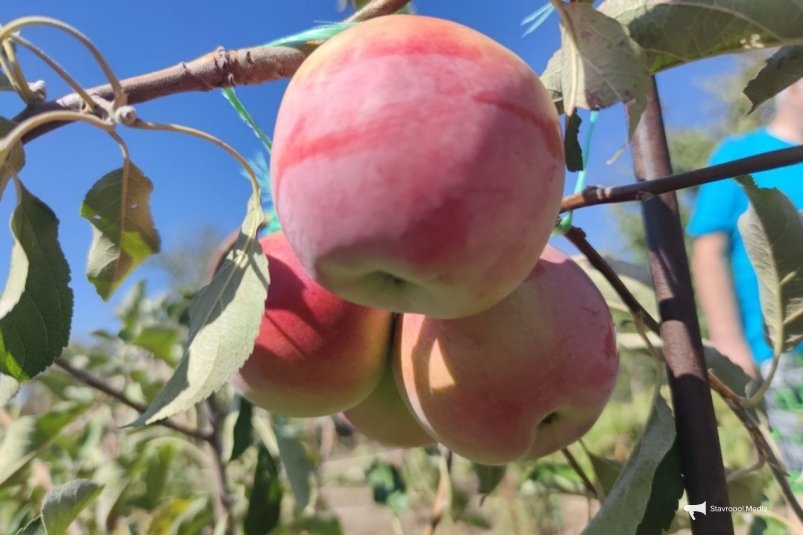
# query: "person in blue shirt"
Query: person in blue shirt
725,281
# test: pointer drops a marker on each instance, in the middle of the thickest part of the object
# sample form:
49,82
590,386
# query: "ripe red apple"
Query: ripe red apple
315,354
417,166
384,417
519,380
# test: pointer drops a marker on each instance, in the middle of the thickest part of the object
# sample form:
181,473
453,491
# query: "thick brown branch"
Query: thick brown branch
102,386
218,69
641,191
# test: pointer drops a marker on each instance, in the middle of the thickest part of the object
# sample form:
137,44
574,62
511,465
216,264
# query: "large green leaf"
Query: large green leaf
37,303
118,206
625,506
63,504
28,436
264,502
224,321
680,31
599,64
773,234
782,69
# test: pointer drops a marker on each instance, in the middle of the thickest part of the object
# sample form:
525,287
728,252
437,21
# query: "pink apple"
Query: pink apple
520,380
384,417
417,166
315,354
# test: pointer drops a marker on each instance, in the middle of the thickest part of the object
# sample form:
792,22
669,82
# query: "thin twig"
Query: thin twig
214,70
580,472
98,384
762,446
578,238
442,495
641,191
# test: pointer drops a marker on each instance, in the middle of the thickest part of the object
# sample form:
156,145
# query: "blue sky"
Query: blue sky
198,186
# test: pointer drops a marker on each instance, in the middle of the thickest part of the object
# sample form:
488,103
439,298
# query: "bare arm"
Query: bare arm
714,284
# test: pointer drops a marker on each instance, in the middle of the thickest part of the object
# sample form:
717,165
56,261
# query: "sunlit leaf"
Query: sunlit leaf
684,30
264,502
11,160
118,206
773,234
37,303
224,321
626,504
314,36
783,69
599,64
63,504
28,436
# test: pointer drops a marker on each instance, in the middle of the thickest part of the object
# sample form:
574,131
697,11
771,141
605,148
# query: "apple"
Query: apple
520,380
383,416
417,166
316,354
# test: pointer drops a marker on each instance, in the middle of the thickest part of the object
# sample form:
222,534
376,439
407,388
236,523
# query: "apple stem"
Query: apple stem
695,421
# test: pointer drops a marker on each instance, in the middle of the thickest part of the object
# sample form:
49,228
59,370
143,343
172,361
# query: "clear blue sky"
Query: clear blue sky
197,185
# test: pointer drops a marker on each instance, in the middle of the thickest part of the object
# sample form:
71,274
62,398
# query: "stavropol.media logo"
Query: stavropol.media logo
691,509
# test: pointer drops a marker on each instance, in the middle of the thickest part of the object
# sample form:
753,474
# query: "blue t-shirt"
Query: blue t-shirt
717,209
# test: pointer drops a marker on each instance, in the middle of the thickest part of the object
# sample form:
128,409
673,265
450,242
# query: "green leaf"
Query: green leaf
571,145
626,504
35,527
667,488
316,35
783,69
558,477
489,476
606,471
387,485
242,433
599,63
28,436
323,523
297,463
63,504
37,303
772,233
677,32
224,321
118,206
745,489
161,340
264,502
12,159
